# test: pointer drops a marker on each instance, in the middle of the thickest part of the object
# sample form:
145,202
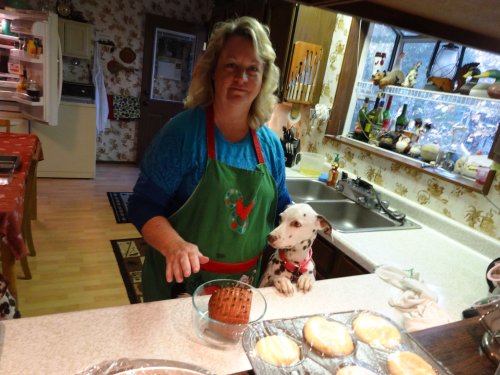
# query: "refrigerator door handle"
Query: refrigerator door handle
59,51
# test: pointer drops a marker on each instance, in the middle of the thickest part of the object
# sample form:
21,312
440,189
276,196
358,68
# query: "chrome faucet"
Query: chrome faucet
364,194
357,190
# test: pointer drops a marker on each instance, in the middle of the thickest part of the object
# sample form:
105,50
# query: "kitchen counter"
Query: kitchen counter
70,342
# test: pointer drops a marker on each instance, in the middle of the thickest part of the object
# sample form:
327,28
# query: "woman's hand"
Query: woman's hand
183,258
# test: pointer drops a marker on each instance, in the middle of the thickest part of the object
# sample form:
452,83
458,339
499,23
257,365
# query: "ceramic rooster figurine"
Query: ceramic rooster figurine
493,90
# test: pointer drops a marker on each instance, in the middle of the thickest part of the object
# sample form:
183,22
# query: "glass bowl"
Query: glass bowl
216,333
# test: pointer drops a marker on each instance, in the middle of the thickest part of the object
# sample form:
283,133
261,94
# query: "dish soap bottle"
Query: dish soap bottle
333,173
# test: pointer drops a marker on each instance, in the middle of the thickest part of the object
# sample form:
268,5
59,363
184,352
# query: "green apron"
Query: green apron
228,217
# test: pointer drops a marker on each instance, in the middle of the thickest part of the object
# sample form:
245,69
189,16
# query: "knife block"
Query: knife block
303,72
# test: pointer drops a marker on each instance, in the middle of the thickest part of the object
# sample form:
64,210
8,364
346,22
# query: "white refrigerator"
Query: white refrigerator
29,42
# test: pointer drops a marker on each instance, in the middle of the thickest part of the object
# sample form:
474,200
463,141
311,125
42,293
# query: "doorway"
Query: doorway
170,51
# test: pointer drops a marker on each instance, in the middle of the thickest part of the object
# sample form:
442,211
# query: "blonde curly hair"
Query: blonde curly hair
201,89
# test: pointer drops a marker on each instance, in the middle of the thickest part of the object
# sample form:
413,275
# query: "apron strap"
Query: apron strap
209,115
220,267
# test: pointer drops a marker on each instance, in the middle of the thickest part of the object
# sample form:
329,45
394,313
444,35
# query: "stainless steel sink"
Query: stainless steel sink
347,216
303,190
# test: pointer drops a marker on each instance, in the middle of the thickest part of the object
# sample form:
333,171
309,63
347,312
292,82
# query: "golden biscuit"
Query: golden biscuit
328,337
278,350
408,363
376,331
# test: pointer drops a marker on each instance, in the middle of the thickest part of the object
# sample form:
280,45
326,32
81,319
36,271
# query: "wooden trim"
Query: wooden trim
476,33
494,153
420,166
347,78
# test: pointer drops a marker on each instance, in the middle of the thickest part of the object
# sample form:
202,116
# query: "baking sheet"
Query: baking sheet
312,362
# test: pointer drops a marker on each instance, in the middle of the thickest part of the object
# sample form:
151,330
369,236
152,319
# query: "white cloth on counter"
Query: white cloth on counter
417,302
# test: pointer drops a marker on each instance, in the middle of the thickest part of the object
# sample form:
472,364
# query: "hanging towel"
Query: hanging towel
101,100
417,302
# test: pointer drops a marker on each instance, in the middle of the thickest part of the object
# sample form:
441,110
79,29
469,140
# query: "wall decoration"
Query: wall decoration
127,55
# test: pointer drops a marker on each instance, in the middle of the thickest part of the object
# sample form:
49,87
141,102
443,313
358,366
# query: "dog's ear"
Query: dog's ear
325,225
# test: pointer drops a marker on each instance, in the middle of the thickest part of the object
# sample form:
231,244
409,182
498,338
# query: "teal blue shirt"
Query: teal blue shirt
175,162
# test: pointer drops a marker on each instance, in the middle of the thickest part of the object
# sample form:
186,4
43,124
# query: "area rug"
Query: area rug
119,203
129,255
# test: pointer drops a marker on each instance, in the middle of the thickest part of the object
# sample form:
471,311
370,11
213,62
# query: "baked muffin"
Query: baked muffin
278,350
328,337
230,305
408,363
376,331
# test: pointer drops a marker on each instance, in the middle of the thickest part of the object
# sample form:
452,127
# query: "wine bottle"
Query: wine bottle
372,117
361,122
402,121
377,125
387,115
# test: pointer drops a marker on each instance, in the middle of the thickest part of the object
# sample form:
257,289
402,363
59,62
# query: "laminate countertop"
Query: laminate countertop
451,261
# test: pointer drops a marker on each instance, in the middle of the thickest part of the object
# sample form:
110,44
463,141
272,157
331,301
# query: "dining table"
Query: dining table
18,204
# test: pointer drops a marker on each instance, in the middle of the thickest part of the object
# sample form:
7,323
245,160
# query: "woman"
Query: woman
213,180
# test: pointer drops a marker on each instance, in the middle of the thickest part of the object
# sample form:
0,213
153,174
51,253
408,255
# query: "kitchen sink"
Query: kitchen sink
347,216
304,190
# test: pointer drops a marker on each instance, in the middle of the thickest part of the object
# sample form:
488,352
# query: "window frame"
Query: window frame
337,127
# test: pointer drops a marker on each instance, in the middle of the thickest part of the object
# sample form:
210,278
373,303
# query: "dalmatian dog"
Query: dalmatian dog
292,261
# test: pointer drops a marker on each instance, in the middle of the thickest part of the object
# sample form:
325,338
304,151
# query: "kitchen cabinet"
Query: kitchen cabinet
69,149
288,23
463,21
332,262
76,38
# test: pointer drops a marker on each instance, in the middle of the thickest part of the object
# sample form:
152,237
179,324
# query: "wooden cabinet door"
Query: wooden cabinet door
331,262
75,38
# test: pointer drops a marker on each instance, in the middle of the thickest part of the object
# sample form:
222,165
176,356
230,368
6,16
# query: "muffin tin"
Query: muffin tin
313,362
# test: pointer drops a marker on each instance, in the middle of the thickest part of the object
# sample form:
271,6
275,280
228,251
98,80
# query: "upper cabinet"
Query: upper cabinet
76,38
471,23
288,23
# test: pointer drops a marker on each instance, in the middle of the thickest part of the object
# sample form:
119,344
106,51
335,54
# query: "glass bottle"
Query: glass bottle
377,125
361,122
402,121
22,84
372,117
387,115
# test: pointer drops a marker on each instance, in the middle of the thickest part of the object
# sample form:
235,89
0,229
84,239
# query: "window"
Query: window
463,125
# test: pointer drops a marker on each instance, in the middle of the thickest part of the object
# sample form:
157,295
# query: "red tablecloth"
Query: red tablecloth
12,195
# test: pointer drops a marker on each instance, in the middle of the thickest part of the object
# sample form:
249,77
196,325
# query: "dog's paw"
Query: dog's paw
305,282
284,285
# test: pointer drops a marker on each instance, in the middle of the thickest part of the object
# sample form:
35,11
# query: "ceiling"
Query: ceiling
471,23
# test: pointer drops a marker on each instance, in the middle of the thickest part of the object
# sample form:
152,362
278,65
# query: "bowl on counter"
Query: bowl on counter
217,333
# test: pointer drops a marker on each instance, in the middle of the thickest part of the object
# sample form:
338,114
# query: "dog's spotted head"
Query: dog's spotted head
299,225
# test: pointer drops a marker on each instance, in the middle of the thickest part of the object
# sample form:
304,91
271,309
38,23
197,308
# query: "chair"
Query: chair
5,124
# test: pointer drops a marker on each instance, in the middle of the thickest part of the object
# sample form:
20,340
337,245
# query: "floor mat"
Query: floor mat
119,203
129,254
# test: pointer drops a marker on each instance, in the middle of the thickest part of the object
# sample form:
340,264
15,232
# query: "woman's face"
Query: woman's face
238,73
